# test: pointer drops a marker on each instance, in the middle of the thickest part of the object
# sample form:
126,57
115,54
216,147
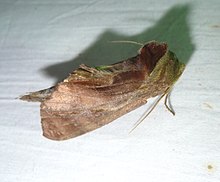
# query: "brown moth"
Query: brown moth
92,97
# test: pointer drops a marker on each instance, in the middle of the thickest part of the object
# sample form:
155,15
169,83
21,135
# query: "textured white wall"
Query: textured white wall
42,41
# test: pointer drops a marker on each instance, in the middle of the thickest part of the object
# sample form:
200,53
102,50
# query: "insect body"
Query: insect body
92,97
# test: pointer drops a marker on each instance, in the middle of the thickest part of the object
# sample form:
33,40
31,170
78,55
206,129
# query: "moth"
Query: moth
91,97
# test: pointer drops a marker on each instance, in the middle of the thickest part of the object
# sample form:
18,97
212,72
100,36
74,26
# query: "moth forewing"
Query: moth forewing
92,97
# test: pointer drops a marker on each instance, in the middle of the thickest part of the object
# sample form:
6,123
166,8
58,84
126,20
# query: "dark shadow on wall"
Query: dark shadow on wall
172,28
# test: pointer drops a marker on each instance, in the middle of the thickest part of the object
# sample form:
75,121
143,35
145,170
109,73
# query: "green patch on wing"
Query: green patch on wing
103,67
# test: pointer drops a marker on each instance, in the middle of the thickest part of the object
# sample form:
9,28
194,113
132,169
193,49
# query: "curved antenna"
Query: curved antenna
167,93
127,41
146,114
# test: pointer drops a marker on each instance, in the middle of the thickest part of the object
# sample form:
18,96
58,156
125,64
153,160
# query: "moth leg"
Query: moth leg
147,112
167,102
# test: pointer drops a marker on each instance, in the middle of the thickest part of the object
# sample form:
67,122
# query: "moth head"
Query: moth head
151,53
160,63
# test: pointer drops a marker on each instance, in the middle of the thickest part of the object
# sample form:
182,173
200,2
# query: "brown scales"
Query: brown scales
92,97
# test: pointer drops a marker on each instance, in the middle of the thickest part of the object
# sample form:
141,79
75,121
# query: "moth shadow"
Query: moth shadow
172,28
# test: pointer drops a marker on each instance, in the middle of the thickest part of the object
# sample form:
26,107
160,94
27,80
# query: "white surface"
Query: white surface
41,41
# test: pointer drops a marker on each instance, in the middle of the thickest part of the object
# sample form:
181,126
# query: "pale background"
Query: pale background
42,41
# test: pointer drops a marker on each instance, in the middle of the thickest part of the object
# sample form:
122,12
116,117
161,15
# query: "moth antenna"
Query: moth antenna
168,104
147,113
127,41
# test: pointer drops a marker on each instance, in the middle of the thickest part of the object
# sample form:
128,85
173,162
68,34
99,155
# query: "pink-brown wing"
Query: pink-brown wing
73,110
90,98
